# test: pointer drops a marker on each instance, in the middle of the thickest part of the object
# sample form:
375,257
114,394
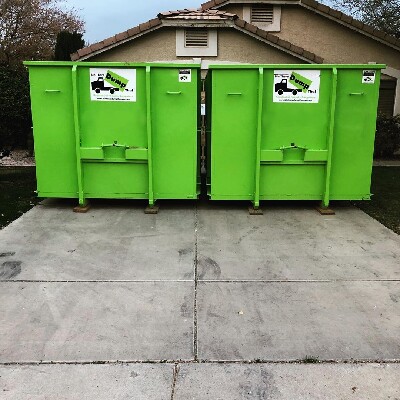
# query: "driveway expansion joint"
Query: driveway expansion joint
208,362
196,282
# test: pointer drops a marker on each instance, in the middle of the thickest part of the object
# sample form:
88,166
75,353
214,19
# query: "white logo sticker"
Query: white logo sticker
185,75
296,86
114,84
369,76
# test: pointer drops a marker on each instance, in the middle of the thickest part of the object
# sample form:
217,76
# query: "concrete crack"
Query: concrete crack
174,379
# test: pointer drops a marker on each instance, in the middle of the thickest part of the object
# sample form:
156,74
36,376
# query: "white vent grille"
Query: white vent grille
196,38
262,14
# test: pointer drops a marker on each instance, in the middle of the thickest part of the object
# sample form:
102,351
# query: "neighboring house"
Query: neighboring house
258,31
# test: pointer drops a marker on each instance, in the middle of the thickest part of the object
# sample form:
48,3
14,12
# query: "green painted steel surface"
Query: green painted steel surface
115,130
301,132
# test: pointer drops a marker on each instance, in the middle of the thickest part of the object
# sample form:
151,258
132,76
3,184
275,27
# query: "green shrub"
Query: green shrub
15,111
387,140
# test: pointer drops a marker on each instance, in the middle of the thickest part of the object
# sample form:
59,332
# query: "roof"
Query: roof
332,14
196,14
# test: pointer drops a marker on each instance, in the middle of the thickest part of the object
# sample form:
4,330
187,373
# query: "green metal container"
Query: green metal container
116,130
291,132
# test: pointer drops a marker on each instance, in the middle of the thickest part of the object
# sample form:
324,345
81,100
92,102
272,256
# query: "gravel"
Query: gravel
18,158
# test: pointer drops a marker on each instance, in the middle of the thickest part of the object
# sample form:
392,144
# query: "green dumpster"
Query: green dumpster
115,130
291,132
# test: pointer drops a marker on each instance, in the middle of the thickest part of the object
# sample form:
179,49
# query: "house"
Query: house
258,31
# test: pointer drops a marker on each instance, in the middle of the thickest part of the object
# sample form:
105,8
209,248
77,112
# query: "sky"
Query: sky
105,18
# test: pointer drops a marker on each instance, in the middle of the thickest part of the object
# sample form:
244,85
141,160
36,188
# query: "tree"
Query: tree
29,29
381,14
68,43
15,111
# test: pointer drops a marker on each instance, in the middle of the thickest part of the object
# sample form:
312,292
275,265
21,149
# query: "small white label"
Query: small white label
185,75
203,109
369,76
296,86
112,84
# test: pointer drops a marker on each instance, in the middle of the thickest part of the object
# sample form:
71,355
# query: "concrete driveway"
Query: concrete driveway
198,302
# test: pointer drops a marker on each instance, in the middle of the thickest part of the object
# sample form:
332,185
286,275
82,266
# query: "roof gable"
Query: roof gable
200,17
325,11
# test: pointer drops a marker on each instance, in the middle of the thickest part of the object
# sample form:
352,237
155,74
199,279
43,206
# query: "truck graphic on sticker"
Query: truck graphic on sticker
301,84
99,86
296,86
113,85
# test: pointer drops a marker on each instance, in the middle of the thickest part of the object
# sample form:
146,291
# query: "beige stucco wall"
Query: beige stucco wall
332,41
159,45
240,47
233,45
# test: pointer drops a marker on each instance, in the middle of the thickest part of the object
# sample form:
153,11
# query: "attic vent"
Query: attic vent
262,14
196,38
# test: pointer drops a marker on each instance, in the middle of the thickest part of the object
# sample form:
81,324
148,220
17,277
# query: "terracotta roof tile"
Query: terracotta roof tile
262,33
309,55
197,14
96,46
240,22
110,41
133,31
119,37
250,27
346,18
323,8
84,52
311,3
296,49
154,22
335,13
272,38
357,24
284,43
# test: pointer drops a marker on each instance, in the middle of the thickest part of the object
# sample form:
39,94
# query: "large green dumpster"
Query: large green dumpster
301,132
115,130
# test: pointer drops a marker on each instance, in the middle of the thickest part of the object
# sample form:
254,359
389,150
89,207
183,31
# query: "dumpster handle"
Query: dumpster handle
52,91
115,144
357,94
174,92
293,146
235,94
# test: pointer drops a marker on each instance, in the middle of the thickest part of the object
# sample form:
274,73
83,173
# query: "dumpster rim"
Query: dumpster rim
110,64
298,66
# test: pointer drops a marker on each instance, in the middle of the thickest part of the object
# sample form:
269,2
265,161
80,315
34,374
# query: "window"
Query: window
387,96
196,38
264,16
196,42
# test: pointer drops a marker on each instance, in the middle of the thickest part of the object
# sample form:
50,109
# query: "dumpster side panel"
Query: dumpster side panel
53,121
116,180
290,132
233,138
353,142
174,110
113,128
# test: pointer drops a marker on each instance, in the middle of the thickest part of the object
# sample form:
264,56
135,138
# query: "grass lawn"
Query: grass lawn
385,204
17,192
